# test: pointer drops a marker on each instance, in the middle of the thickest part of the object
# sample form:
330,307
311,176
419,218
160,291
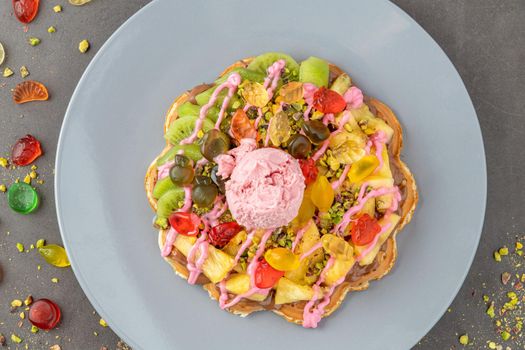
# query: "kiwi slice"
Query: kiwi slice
163,186
167,204
192,151
262,62
245,73
189,109
314,70
183,127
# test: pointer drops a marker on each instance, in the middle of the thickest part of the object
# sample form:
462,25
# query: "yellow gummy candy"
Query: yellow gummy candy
322,194
363,168
282,259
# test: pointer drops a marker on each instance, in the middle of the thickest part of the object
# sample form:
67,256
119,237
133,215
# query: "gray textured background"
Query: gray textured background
485,39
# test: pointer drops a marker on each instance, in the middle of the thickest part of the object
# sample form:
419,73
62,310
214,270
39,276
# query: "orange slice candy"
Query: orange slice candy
28,91
241,126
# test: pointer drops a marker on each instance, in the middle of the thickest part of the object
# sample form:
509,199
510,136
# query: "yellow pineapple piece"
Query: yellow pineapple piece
369,207
235,243
370,124
288,291
393,219
215,267
339,269
239,283
310,238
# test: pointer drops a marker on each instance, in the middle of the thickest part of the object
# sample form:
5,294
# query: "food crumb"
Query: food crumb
16,303
22,315
503,251
54,280
2,340
3,162
103,323
51,29
57,8
40,243
27,179
28,301
463,340
20,247
55,347
7,72
505,277
24,72
3,188
15,338
34,41
34,329
83,46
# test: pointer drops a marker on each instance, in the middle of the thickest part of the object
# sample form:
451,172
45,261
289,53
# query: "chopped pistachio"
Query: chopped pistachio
40,182
40,243
28,301
51,29
519,252
498,323
24,72
27,179
20,247
34,167
200,134
497,256
83,46
33,174
103,323
16,339
34,41
505,335
512,295
490,310
503,251
54,280
3,162
16,303
3,188
519,245
57,8
463,340
492,345
485,298
7,72
22,315
34,329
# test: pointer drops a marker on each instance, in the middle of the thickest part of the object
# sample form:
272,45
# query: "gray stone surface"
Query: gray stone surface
485,40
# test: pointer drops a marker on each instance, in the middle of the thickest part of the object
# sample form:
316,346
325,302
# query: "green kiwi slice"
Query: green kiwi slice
163,186
183,127
314,70
262,62
191,151
168,203
188,109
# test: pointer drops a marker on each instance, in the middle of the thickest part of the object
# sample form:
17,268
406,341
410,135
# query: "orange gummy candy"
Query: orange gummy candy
28,91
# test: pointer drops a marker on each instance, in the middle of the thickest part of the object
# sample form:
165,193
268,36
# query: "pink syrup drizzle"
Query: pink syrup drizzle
308,95
328,118
299,235
187,199
170,240
337,183
311,314
164,170
231,84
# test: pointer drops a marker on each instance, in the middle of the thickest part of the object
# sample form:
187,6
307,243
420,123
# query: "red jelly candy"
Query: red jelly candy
221,234
266,276
26,150
309,170
25,10
364,230
44,314
328,101
186,224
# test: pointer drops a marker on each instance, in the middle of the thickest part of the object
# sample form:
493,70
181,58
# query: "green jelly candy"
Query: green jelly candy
22,198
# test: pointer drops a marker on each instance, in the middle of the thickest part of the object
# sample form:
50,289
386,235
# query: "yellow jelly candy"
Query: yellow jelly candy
291,92
363,168
54,255
255,94
279,128
307,208
282,259
322,193
337,247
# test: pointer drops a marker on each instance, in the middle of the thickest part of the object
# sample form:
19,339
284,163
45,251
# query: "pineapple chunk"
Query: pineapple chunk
215,267
288,291
370,124
383,178
339,269
239,283
235,243
393,219
310,238
369,207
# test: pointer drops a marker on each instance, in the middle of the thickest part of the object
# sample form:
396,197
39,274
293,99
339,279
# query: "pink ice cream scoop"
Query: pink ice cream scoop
265,189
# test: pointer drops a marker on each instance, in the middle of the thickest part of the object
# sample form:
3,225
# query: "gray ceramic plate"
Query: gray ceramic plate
113,129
